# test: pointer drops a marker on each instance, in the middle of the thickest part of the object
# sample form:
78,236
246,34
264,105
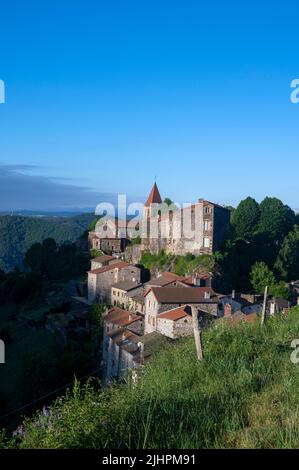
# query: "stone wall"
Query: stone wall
175,329
153,309
121,297
99,285
212,223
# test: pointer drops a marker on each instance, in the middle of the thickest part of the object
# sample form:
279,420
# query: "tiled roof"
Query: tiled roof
165,279
281,303
182,295
120,265
126,286
120,317
121,335
177,313
154,197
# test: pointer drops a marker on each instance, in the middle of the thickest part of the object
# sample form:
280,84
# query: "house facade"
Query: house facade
102,279
163,299
123,292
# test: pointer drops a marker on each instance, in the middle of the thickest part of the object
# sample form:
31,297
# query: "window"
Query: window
206,243
207,210
207,225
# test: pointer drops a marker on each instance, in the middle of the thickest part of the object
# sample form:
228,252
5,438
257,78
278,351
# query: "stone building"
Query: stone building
162,299
200,228
116,319
101,261
123,292
128,351
168,279
110,236
102,279
178,322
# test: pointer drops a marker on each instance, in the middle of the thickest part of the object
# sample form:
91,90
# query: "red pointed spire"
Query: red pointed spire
154,197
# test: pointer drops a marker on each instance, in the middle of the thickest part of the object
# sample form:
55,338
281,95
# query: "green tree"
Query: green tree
276,219
96,319
287,263
280,290
261,276
95,253
168,201
246,218
93,224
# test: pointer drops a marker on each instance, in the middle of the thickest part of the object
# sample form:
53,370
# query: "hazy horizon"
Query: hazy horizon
112,96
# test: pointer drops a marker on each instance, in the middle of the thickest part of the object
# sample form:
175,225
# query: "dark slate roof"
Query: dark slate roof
181,295
126,286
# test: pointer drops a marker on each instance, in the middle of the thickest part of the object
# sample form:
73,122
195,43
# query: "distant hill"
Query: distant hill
18,233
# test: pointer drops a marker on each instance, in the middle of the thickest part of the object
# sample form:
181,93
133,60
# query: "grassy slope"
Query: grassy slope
244,394
18,233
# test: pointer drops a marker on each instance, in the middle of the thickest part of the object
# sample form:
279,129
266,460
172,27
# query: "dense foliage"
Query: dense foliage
18,234
243,395
181,265
246,218
262,233
46,345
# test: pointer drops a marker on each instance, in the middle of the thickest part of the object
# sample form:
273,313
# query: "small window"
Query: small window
206,243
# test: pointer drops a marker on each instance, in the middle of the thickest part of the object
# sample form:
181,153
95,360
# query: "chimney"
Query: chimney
207,295
196,281
228,310
272,308
130,317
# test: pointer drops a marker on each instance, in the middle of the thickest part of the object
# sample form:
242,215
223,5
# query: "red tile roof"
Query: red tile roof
120,317
177,313
120,265
165,279
154,197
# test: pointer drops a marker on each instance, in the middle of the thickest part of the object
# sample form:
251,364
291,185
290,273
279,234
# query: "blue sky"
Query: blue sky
101,97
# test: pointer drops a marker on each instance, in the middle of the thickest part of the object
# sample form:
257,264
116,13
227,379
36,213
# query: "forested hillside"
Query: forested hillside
18,233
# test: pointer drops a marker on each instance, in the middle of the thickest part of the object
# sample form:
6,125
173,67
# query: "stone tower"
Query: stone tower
151,213
152,201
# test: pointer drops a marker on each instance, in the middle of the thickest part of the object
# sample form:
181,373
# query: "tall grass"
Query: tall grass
243,395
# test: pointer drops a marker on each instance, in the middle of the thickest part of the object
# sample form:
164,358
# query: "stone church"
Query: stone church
200,228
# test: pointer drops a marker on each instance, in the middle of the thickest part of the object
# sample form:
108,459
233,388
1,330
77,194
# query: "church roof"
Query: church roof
154,197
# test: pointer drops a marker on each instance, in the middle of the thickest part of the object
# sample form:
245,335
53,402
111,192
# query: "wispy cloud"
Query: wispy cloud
21,190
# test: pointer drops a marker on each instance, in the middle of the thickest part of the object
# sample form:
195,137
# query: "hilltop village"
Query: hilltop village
144,309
